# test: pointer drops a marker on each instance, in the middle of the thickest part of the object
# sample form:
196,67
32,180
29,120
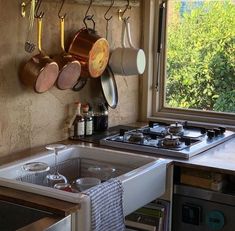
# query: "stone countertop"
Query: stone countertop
221,158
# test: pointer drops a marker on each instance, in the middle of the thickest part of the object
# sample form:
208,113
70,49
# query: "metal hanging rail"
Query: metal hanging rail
118,3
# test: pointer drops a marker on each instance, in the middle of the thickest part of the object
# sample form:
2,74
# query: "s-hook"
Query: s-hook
89,17
59,13
41,14
121,13
105,15
108,19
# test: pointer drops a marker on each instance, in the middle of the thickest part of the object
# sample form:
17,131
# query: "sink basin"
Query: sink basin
143,175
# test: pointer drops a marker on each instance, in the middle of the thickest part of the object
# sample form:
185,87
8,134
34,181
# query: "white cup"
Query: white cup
127,60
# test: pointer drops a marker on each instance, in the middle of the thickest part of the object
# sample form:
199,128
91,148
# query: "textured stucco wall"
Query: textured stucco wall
28,119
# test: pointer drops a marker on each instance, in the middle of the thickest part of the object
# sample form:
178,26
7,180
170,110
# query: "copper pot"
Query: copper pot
40,72
91,51
70,68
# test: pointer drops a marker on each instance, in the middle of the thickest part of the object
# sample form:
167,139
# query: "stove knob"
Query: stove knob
122,132
151,124
187,141
222,130
203,130
217,131
210,134
185,124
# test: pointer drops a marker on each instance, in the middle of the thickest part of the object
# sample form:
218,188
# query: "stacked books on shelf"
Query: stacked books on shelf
152,217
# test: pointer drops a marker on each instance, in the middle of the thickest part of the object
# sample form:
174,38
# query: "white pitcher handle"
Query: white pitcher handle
128,29
124,34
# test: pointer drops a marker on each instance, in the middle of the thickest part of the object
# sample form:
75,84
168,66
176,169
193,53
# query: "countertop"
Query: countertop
220,158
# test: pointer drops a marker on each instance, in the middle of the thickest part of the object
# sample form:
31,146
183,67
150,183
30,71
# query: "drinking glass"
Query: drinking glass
56,177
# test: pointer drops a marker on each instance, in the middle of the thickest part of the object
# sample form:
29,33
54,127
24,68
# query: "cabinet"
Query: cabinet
203,200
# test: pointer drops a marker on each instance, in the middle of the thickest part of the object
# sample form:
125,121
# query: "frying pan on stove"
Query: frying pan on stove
109,87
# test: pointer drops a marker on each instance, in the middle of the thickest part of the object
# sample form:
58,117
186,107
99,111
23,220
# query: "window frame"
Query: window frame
152,99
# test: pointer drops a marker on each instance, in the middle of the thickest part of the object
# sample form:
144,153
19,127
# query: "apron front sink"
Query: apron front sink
143,177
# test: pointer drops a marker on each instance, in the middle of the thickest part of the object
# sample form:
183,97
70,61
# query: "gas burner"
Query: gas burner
170,141
136,137
176,129
177,140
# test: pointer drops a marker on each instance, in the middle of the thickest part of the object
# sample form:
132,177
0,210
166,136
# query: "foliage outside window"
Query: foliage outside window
200,55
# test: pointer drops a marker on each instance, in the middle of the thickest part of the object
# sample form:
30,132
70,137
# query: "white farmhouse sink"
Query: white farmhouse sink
143,177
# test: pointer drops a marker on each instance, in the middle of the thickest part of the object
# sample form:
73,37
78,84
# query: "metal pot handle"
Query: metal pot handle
124,34
126,30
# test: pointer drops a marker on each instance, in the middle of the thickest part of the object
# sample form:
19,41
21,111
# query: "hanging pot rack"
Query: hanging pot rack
118,3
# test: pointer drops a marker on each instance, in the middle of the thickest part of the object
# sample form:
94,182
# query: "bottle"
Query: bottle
101,118
88,120
79,123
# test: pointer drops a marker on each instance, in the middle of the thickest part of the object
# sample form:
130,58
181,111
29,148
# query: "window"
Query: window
195,61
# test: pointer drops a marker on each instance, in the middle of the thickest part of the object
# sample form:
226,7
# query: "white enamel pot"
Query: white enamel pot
127,60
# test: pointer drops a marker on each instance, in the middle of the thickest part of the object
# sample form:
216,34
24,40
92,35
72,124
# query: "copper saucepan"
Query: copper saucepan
91,51
70,68
40,72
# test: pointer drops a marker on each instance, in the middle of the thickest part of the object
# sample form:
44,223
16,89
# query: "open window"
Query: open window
193,62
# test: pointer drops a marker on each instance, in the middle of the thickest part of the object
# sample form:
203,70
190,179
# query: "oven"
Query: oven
197,209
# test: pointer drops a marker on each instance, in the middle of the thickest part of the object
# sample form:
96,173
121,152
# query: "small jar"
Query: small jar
101,119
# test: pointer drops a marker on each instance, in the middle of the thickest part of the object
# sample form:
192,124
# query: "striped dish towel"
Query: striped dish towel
107,206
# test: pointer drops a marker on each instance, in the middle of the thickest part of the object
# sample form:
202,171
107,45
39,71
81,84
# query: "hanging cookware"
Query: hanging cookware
127,60
107,80
70,68
40,72
109,87
90,50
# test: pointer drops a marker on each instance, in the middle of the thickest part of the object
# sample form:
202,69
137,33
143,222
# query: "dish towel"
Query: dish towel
107,206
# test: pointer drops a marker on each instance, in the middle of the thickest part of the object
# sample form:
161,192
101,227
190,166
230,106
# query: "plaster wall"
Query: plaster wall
28,119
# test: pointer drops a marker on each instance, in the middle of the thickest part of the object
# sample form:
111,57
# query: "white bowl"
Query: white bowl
87,182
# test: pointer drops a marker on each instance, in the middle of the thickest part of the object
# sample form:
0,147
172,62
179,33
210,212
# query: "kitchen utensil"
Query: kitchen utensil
90,50
108,82
29,44
70,68
55,178
109,87
87,182
40,72
127,60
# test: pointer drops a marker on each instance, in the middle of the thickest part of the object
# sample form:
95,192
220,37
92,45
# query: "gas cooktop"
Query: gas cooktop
177,140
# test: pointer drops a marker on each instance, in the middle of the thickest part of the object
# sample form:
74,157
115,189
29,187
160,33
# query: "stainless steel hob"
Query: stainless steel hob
176,140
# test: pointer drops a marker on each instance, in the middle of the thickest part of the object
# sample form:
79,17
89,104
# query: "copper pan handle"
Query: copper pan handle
62,33
40,34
